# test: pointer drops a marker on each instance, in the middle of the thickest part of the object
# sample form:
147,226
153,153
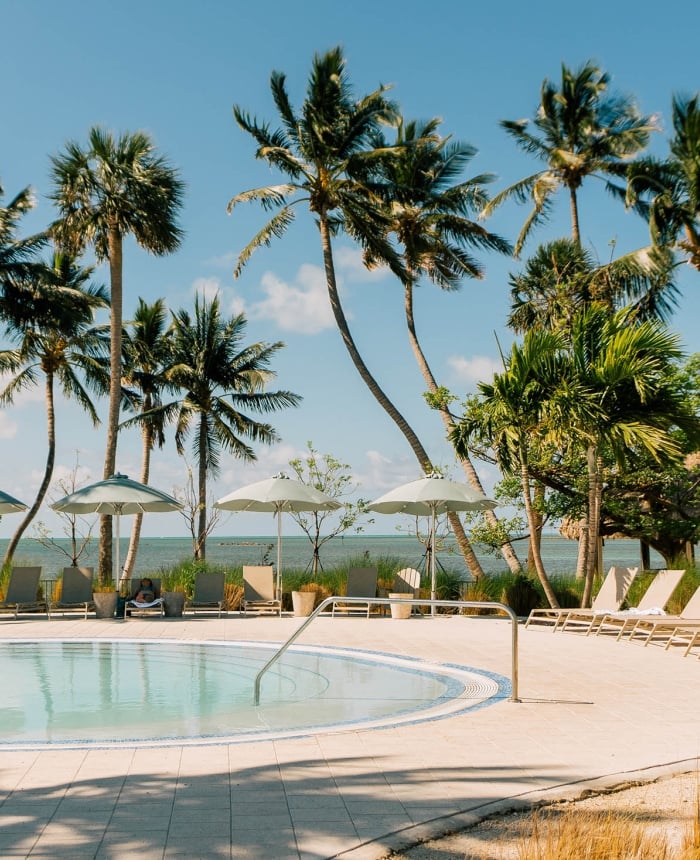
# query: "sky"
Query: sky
175,69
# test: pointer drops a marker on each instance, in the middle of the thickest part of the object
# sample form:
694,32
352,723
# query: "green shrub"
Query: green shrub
521,595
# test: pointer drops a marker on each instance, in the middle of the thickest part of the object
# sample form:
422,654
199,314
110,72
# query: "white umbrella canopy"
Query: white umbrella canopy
428,497
276,495
117,496
10,505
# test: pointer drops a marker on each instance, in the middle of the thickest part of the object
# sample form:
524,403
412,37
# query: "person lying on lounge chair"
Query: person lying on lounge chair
145,592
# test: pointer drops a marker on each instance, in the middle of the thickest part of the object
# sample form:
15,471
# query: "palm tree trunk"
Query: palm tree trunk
201,546
507,548
48,472
532,523
115,371
146,448
594,496
573,203
472,561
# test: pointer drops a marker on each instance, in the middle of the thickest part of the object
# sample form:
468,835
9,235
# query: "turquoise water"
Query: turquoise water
155,553
76,693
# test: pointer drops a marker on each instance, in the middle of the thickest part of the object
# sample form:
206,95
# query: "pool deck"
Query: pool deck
594,713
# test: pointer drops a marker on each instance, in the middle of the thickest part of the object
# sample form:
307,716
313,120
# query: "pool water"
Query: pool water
70,693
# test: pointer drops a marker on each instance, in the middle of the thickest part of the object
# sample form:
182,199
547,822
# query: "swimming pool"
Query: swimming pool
74,693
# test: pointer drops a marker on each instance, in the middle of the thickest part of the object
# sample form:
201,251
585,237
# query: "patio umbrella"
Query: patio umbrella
430,496
276,495
9,505
117,496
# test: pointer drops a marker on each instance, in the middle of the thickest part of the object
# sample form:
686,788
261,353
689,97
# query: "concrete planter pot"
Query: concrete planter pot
173,604
401,610
105,603
303,602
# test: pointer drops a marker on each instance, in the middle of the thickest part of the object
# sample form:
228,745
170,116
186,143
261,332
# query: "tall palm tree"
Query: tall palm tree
17,256
63,347
221,380
146,348
326,150
581,131
429,212
667,192
113,188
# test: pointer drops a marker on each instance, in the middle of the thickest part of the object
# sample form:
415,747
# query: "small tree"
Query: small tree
77,529
189,497
330,476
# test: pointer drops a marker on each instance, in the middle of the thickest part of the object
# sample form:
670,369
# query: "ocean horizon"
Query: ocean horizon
156,553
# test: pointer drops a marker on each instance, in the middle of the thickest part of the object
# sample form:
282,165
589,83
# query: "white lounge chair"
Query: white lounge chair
76,591
652,603
407,581
22,591
682,626
610,596
259,590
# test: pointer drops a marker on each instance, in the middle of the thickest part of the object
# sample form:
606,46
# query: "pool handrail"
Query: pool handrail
386,601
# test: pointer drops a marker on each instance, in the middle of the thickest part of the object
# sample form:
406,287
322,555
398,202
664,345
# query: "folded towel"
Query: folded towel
137,605
654,610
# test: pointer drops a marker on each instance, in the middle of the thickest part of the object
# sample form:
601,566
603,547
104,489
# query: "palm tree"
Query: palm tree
512,418
562,278
62,347
667,192
581,132
625,400
113,188
17,256
326,151
429,213
219,377
146,357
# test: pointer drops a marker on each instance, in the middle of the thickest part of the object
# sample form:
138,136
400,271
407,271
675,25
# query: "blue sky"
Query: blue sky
175,69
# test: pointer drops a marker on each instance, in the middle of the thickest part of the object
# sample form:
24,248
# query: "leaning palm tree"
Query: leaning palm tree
429,209
113,188
63,347
667,192
580,131
146,356
325,150
220,380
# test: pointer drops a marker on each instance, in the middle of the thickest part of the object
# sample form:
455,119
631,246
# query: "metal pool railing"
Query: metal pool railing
386,601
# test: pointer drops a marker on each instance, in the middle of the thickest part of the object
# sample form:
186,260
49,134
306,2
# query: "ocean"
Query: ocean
559,554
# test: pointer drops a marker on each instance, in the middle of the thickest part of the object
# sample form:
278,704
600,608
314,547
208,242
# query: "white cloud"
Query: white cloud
8,428
349,262
209,288
302,307
223,261
478,368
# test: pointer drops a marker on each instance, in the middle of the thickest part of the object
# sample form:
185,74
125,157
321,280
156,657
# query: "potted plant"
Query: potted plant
304,600
104,596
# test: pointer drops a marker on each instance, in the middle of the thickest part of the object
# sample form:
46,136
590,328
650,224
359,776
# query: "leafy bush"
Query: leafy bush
521,595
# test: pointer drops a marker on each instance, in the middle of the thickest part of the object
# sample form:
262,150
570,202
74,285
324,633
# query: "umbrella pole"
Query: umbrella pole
279,554
433,587
117,578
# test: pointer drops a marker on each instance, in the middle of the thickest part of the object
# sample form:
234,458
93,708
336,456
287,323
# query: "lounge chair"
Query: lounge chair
671,627
652,603
362,582
259,590
76,591
155,607
22,590
208,593
407,581
612,592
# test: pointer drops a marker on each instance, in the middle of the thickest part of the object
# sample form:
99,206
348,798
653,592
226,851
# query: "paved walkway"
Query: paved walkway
592,711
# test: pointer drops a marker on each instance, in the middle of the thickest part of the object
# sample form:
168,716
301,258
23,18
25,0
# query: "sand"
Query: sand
667,805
